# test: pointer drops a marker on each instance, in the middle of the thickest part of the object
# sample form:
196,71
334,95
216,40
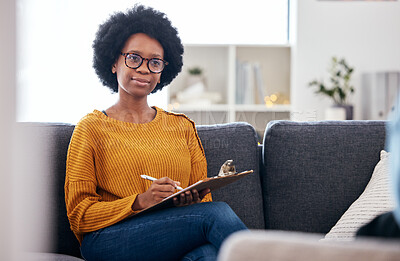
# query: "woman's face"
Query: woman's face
138,82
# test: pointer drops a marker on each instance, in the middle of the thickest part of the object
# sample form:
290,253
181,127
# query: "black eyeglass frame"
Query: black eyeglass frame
148,60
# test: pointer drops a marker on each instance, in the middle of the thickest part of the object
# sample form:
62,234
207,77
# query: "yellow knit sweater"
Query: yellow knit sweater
106,158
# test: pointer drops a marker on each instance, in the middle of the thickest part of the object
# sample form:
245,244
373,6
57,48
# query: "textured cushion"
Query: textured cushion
375,200
236,141
316,170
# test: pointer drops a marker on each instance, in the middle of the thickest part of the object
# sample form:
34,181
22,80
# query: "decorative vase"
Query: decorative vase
339,112
349,111
194,79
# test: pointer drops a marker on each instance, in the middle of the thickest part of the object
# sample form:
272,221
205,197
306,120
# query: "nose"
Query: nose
143,68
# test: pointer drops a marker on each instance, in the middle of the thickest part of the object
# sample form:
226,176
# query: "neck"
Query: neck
135,111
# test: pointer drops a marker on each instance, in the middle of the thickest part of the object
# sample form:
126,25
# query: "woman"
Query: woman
137,53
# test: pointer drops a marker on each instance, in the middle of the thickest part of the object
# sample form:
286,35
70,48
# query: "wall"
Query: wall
366,33
71,80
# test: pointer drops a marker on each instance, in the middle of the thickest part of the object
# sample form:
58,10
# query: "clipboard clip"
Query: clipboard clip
228,168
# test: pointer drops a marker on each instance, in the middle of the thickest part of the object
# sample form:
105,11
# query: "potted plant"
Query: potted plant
196,92
195,71
195,75
340,87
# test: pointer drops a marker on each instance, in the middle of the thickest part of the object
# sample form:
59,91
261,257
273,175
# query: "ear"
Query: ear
114,69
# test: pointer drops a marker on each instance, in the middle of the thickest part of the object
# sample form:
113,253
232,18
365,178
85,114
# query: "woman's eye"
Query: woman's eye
155,62
134,58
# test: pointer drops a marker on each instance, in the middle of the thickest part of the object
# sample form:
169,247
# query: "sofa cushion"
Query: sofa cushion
236,141
375,200
315,170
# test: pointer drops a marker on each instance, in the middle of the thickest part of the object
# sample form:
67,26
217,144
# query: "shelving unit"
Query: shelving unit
220,65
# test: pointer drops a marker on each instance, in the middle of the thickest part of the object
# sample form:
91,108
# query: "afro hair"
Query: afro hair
113,33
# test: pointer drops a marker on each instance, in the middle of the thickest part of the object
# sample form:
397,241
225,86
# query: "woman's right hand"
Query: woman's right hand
159,189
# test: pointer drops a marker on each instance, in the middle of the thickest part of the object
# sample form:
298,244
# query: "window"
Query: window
56,82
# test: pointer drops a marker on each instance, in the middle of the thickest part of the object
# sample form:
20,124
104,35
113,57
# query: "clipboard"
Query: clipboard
213,183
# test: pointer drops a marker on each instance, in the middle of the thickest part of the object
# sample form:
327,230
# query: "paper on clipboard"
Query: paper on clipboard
212,183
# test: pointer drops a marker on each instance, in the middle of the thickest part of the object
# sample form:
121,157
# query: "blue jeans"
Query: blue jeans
188,233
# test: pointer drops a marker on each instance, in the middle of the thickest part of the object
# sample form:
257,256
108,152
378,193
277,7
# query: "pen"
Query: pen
153,179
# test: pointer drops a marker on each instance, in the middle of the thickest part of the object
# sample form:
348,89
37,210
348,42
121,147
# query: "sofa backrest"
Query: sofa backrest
315,170
235,141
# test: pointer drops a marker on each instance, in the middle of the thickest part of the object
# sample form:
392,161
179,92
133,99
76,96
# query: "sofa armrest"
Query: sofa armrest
282,245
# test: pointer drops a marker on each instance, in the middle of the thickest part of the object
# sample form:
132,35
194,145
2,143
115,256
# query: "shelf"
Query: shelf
237,107
227,86
262,108
213,107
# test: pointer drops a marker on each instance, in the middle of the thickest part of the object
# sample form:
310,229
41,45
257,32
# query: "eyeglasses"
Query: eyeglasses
134,61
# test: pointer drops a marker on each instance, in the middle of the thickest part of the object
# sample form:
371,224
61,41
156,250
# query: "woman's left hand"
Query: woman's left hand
188,198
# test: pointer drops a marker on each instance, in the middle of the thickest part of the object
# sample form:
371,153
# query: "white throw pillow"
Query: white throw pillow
375,200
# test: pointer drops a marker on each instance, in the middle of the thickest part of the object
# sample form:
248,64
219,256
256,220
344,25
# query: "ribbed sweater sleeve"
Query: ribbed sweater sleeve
86,210
106,158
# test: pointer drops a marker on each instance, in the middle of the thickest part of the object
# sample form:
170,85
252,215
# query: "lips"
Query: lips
140,81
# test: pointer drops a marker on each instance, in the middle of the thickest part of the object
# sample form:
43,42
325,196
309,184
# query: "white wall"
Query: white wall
55,78
366,33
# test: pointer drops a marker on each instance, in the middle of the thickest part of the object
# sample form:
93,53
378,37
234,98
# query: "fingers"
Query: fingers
161,188
165,187
203,193
187,198
196,196
166,181
164,184
160,192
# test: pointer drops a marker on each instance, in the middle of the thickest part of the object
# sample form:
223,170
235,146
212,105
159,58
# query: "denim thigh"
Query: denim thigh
163,235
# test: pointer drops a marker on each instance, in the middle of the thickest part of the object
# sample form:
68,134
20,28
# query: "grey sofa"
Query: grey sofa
305,174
